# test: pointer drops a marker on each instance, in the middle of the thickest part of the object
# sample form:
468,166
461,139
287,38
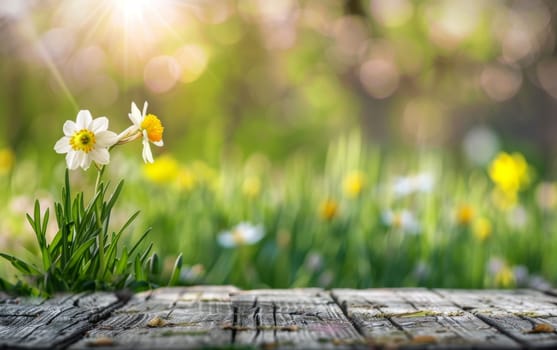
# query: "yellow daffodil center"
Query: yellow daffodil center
83,140
153,126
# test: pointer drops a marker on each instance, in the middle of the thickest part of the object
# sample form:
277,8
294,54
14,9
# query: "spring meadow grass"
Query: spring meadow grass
364,217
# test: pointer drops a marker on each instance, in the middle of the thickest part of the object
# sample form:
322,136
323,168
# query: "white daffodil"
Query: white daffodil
243,234
148,126
86,140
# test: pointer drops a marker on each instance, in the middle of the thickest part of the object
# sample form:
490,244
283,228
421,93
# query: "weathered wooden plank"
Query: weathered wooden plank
416,317
527,316
52,323
168,318
368,317
202,317
294,318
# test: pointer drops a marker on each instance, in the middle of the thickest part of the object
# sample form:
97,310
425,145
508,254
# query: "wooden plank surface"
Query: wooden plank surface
53,323
167,318
307,318
226,317
527,316
412,317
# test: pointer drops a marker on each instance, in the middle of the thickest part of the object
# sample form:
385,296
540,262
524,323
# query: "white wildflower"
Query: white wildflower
243,234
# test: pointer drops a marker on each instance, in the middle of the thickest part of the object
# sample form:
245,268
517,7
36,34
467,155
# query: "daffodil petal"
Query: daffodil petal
145,109
135,115
85,162
63,145
147,154
70,128
73,160
99,124
106,138
100,155
84,118
159,143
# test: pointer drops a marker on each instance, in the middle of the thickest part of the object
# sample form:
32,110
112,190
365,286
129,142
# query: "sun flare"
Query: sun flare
131,12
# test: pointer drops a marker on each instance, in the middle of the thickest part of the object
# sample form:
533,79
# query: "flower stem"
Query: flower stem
100,237
100,173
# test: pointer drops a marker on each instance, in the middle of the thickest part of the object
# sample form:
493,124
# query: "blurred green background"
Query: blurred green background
365,138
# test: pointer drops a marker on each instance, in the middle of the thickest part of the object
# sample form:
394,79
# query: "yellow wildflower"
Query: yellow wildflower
7,159
251,186
482,229
353,184
329,209
510,172
504,277
465,214
164,171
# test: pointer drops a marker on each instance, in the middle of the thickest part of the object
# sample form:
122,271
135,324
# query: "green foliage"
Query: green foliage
84,254
431,242
465,237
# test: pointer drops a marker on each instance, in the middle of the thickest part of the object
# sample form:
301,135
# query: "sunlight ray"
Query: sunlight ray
45,57
103,9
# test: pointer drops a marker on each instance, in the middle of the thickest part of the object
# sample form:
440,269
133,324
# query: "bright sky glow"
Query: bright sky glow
133,12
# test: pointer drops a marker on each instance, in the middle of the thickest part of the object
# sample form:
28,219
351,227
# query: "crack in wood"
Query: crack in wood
257,320
495,325
234,324
21,315
58,323
275,321
343,307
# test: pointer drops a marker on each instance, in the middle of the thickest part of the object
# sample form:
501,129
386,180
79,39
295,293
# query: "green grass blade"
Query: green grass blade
78,255
175,276
122,264
140,240
138,268
20,264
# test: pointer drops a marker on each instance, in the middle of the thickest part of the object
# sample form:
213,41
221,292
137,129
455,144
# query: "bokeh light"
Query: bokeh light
161,73
500,82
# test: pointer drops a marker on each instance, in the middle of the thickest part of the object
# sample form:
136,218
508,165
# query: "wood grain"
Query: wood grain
516,313
225,317
167,318
303,318
412,317
53,323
